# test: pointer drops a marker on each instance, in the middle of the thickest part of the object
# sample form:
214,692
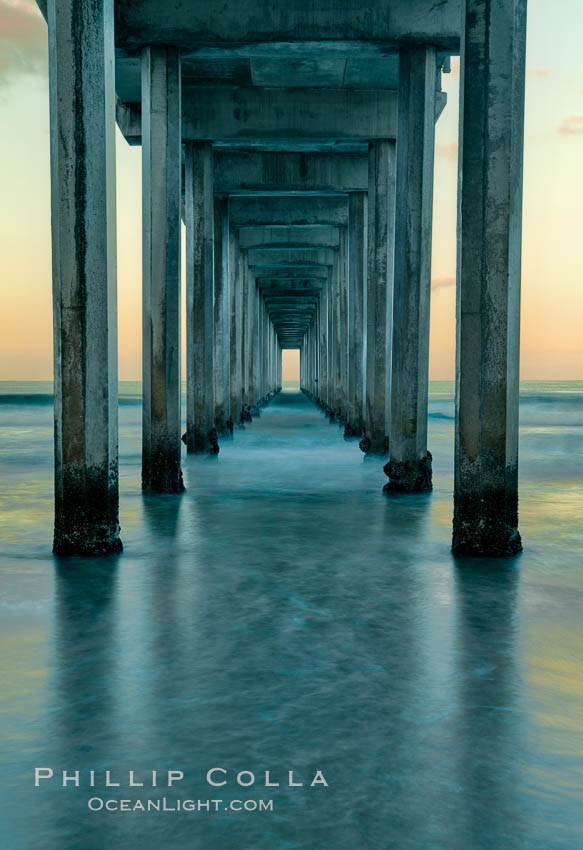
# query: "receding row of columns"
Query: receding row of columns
365,349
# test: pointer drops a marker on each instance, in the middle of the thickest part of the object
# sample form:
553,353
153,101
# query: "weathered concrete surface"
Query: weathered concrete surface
324,376
318,236
161,194
282,119
249,113
252,333
244,332
84,277
236,321
381,236
286,211
343,307
240,172
409,467
356,281
488,284
199,216
273,27
222,323
266,256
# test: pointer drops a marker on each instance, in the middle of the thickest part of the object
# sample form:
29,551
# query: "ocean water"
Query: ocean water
282,614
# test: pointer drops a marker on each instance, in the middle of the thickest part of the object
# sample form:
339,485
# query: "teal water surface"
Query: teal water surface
282,614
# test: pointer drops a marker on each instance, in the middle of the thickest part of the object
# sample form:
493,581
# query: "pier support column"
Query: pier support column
323,343
343,305
252,338
161,194
488,281
236,322
82,112
199,295
244,280
381,236
222,323
317,320
356,278
331,283
409,467
334,343
315,356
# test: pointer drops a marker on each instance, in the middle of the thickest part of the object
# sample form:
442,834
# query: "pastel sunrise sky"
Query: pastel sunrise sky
552,269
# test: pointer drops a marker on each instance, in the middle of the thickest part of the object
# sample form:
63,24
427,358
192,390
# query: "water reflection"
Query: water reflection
490,741
281,615
84,717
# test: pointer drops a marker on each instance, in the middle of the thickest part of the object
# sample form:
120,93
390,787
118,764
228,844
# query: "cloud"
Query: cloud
23,39
538,73
448,150
572,125
442,282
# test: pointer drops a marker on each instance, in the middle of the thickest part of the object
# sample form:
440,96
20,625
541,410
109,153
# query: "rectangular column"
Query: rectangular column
235,310
161,197
82,115
222,323
199,218
488,277
343,305
333,317
381,238
356,279
252,338
317,353
409,468
330,358
323,342
264,351
243,341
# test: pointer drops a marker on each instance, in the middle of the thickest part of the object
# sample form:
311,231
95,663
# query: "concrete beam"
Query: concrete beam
290,284
299,310
290,272
298,236
276,292
279,28
331,210
246,115
240,172
291,257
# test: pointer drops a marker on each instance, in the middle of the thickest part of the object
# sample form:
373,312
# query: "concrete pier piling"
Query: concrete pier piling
222,323
409,468
161,193
381,239
199,220
356,282
488,278
307,203
84,276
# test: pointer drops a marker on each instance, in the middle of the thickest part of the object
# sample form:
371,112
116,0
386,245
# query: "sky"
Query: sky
552,260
